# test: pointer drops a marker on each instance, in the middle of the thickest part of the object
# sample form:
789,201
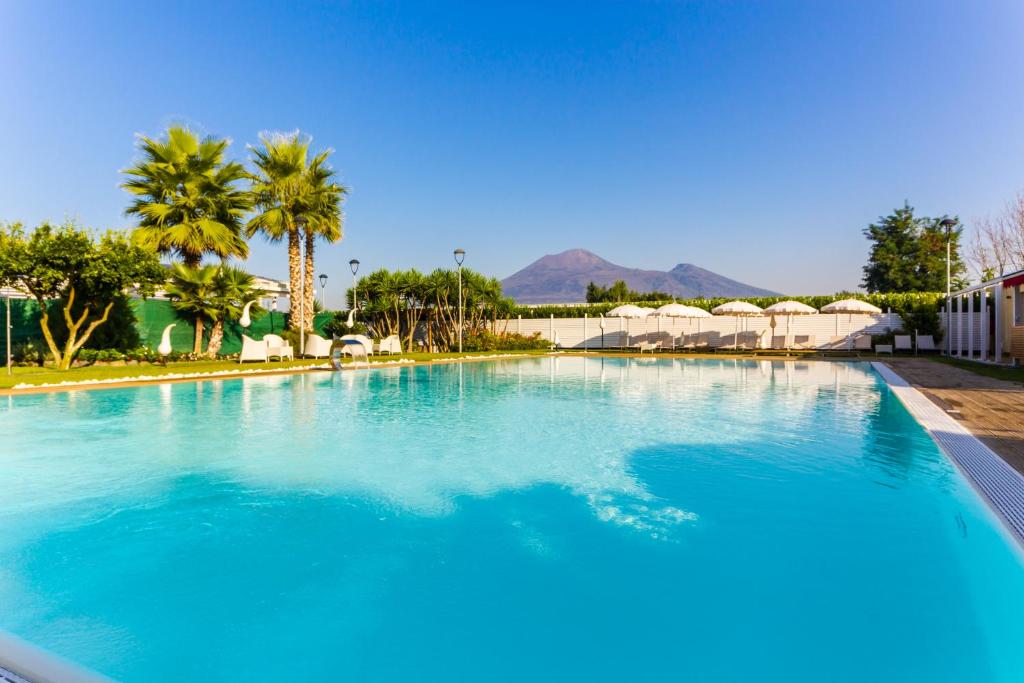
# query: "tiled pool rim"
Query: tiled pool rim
1001,486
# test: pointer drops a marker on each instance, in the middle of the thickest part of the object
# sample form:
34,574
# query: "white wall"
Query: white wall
570,331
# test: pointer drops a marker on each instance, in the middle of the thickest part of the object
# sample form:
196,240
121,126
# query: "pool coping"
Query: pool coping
999,485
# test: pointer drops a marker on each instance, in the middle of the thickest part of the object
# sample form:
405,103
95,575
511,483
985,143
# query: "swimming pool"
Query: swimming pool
547,518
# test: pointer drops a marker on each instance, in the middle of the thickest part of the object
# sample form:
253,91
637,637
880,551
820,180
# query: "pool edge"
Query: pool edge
998,484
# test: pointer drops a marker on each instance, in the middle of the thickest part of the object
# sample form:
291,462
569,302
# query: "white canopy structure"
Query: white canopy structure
737,309
629,311
675,310
789,309
850,307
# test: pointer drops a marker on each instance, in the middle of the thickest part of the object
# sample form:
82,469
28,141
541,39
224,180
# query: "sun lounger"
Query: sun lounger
926,342
804,342
902,342
648,346
862,342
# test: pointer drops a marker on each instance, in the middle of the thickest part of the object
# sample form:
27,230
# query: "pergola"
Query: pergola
979,346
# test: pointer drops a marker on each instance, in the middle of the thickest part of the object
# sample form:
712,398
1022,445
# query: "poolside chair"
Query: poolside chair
648,346
805,342
778,342
862,343
317,347
277,347
390,345
840,343
926,342
902,342
253,350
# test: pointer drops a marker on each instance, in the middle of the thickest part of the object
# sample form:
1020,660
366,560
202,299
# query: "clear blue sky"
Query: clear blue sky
755,139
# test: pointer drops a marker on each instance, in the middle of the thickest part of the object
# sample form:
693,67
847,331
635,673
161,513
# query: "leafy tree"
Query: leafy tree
66,269
232,289
192,291
619,292
187,197
290,189
908,254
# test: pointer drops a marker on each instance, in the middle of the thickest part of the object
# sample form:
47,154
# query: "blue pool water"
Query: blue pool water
541,519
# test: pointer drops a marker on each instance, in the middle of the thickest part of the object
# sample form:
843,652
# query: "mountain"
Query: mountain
563,278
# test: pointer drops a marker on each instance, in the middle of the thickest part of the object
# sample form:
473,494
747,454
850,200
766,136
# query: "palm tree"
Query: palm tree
232,289
193,291
289,188
187,197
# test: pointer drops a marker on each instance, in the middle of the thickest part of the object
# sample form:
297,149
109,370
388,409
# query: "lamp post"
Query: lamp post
948,224
323,286
300,224
354,265
460,256
273,310
8,327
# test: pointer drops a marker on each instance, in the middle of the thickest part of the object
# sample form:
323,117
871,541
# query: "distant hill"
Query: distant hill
563,278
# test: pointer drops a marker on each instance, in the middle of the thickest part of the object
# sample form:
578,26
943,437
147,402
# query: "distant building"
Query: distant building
986,321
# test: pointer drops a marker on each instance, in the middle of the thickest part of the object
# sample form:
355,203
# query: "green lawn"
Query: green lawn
995,371
48,375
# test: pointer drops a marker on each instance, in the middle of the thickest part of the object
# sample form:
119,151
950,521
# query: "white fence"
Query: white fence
586,333
970,333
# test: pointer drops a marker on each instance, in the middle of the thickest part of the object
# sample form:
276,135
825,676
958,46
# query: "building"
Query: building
986,321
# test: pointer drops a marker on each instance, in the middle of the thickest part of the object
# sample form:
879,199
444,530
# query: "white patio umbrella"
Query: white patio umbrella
738,309
789,309
850,306
674,310
629,311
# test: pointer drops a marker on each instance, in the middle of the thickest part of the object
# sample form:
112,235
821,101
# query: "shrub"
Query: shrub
482,340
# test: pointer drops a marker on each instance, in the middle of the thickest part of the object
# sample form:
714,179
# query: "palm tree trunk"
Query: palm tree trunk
310,290
216,338
294,279
197,345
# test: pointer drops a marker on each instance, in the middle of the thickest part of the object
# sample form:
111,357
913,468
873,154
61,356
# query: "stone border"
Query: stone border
1001,486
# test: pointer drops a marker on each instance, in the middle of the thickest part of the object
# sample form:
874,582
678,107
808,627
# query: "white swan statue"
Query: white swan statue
165,341
245,320
351,318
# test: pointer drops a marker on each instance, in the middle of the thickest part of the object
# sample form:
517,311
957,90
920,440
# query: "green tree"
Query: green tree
67,269
908,254
188,199
232,289
192,291
291,189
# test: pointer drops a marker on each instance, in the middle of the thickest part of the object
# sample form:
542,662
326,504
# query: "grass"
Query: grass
1002,372
48,375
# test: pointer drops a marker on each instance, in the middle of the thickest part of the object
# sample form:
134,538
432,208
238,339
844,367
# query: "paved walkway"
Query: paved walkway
992,409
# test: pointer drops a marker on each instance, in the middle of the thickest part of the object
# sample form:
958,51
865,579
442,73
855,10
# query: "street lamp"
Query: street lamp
354,265
273,310
300,224
323,286
460,256
948,224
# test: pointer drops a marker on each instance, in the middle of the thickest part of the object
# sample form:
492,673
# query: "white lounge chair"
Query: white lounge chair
253,350
862,342
805,342
277,347
926,342
648,346
902,342
317,346
390,345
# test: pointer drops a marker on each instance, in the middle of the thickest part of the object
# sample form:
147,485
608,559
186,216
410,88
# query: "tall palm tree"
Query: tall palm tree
187,197
193,291
289,188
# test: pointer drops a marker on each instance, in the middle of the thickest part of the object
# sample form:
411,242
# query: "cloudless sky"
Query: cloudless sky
755,139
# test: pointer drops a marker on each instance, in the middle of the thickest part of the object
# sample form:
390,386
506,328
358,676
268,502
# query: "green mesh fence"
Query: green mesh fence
152,317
